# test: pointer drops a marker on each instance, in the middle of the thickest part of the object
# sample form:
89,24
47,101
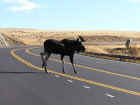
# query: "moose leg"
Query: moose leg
71,59
62,56
43,59
45,64
46,59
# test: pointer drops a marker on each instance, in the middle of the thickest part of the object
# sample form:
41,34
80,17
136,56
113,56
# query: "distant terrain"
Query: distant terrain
94,39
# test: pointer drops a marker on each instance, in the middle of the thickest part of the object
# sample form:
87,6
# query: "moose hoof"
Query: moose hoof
46,72
75,72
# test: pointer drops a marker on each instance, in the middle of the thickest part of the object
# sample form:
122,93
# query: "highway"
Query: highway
98,82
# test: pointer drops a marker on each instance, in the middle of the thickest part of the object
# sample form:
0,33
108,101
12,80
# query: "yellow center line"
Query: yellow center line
89,68
73,77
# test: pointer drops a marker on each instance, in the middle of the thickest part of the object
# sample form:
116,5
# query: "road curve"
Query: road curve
98,82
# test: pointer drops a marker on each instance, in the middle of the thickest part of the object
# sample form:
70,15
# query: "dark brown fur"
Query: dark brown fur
64,47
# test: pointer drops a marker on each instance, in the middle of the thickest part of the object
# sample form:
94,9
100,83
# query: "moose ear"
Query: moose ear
81,39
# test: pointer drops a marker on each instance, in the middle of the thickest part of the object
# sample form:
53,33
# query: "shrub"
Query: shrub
134,50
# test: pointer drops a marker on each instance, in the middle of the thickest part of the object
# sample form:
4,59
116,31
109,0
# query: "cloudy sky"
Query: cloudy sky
71,14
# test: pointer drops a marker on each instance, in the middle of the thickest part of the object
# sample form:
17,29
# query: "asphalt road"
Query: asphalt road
98,82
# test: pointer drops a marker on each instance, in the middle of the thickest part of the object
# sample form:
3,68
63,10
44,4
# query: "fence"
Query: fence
121,57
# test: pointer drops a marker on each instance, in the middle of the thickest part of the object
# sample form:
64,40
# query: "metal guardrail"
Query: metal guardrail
110,43
121,57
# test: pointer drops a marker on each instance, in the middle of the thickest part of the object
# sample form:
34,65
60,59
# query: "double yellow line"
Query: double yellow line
88,68
73,77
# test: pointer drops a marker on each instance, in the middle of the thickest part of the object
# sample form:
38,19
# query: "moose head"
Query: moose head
78,44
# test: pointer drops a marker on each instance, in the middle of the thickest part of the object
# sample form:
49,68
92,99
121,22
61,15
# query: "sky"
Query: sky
71,14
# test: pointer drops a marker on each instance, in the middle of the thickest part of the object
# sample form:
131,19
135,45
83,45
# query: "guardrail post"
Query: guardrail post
121,58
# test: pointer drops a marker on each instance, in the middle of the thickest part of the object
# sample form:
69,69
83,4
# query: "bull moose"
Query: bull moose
65,47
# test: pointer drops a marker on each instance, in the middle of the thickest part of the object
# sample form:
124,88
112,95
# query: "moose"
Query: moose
64,47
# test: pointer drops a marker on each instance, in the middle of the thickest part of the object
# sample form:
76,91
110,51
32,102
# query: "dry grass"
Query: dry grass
134,51
85,33
37,37
95,49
